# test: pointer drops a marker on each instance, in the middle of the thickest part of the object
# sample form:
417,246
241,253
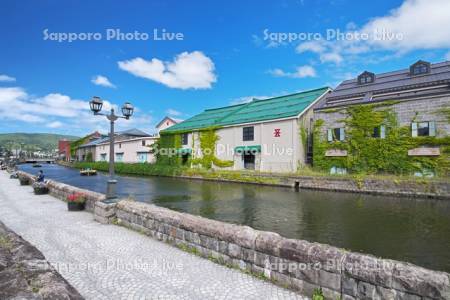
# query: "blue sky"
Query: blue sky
230,52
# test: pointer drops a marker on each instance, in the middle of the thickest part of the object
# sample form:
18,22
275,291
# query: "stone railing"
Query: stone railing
62,190
296,264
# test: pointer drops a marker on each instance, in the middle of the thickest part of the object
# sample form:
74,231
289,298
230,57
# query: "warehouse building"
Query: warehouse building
262,135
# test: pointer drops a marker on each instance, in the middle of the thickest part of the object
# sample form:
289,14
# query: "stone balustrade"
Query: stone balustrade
296,264
62,190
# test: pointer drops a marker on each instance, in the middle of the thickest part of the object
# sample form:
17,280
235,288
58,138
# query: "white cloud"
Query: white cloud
313,46
414,25
305,71
103,81
6,78
60,111
422,23
55,124
173,112
186,71
300,72
331,57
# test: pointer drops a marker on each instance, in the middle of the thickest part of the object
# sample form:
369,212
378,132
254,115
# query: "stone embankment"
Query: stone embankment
297,264
25,274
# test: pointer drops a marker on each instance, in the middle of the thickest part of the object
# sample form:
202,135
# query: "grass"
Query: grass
5,242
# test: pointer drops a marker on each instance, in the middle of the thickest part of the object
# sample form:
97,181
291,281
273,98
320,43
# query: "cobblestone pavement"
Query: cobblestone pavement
112,262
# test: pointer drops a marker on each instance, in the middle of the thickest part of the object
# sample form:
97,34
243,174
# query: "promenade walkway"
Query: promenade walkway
112,262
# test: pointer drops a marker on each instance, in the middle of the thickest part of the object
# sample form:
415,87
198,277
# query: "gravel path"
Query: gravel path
112,262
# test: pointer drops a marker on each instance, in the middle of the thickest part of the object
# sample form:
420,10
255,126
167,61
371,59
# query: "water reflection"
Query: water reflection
405,229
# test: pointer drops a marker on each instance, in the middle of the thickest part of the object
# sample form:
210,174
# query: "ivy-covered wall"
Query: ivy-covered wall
366,154
207,159
164,147
208,140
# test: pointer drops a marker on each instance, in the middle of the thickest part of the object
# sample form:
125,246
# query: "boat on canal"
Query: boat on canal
88,172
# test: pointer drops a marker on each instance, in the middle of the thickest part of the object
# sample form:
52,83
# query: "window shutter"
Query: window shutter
414,129
432,128
330,135
382,131
342,134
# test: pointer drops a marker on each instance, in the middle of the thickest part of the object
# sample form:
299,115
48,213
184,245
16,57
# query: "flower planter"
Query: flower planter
24,181
40,190
75,206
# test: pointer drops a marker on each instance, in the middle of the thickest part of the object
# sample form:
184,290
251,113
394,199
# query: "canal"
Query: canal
413,230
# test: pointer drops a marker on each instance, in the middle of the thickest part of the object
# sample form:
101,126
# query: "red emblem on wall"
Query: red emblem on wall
277,132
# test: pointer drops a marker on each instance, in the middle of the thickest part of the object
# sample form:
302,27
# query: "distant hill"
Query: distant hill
33,141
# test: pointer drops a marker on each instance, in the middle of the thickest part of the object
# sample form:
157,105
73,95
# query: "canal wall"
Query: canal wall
62,191
391,186
418,188
296,264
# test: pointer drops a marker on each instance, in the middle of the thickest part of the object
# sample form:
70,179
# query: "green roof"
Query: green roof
253,111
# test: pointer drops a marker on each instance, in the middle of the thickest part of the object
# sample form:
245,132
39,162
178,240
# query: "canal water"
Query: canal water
414,230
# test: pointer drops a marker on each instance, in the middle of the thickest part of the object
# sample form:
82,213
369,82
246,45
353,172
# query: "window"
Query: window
143,143
366,77
248,133
119,157
420,67
142,157
120,145
336,134
338,171
184,138
423,129
103,157
379,132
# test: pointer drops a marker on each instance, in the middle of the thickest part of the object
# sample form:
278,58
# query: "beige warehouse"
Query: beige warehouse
262,135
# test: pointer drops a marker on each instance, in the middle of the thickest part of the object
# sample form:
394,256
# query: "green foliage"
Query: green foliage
32,141
318,294
133,168
89,157
208,140
77,143
165,149
368,155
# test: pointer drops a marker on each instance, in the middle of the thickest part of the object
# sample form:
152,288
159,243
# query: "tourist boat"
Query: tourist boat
37,166
88,172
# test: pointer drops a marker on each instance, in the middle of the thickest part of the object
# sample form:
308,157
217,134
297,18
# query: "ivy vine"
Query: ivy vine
369,155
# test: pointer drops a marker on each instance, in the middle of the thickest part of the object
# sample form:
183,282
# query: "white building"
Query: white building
130,146
263,135
166,123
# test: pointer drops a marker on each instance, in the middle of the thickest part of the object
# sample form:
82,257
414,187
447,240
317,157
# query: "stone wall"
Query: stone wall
437,188
62,190
296,264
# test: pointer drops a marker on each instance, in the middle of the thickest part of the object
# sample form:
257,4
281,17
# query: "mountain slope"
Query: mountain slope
32,141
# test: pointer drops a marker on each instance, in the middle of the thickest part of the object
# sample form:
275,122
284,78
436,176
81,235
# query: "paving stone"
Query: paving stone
112,262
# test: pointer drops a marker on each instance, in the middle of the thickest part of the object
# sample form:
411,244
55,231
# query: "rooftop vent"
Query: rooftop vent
366,77
420,67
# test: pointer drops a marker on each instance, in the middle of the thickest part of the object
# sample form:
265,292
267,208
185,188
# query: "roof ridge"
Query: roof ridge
233,112
287,95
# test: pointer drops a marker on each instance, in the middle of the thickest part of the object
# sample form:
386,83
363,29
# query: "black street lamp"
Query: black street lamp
127,110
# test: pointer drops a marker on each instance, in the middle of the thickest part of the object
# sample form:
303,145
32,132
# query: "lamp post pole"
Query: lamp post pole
111,185
127,111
